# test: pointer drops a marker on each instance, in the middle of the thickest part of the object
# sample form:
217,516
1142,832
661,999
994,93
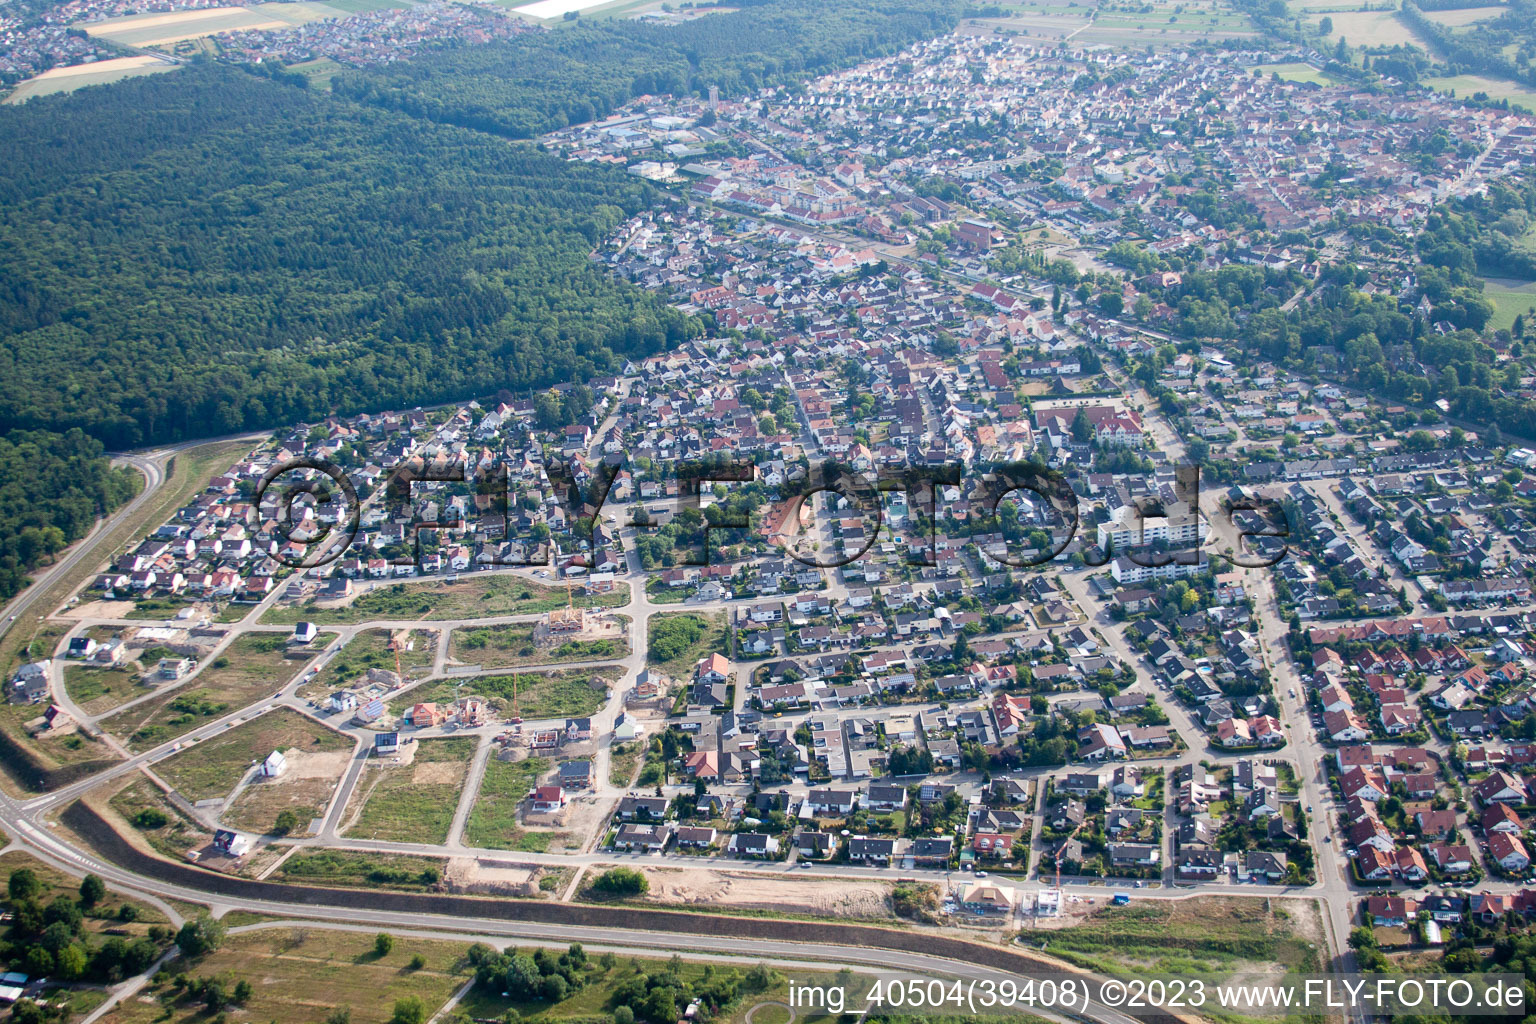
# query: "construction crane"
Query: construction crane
394,645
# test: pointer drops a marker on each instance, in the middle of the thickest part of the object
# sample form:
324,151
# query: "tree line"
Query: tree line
52,489
535,83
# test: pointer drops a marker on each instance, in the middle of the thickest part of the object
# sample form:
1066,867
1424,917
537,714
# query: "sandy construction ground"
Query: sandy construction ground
477,875
93,609
786,894
306,786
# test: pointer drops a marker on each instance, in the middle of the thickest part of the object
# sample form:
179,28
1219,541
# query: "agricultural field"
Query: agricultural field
1196,936
556,694
1162,24
301,975
479,597
1376,28
1510,298
213,767
149,30
678,640
369,649
1493,88
254,665
549,9
78,76
1304,74
493,820
1465,16
412,802
514,644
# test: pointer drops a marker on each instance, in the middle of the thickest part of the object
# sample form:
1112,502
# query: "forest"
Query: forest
208,252
218,250
536,83
52,489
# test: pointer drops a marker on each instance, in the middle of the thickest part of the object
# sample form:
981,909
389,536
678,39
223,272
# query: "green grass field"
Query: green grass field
1295,72
1495,88
666,650
353,870
475,598
370,650
251,667
300,976
493,821
1196,936
211,768
512,645
557,694
1510,299
172,839
98,690
414,803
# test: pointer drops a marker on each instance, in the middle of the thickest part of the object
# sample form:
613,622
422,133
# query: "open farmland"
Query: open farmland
1376,28
78,76
1163,24
1493,88
163,29
1465,15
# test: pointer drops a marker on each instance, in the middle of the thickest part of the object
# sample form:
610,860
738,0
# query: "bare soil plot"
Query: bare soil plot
481,876
213,767
841,898
305,788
